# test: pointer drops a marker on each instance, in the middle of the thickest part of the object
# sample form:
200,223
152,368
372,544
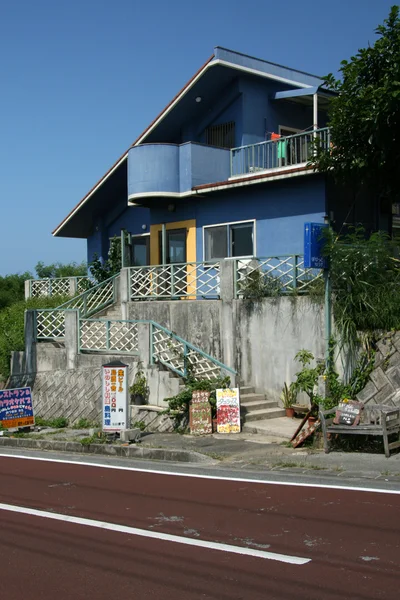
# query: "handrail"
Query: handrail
84,295
282,138
187,345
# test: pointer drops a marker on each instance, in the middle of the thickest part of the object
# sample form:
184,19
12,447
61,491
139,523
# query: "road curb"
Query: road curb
116,450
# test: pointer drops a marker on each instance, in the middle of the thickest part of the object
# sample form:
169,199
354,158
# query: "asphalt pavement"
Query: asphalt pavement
72,530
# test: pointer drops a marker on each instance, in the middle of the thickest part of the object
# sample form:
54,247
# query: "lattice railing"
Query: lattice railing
60,286
93,300
178,280
50,324
276,274
182,357
101,335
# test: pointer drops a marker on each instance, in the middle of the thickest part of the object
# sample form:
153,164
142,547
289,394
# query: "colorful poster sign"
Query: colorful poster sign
115,397
16,409
228,410
200,413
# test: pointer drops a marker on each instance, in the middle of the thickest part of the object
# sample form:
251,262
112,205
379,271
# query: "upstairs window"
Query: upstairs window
222,136
229,240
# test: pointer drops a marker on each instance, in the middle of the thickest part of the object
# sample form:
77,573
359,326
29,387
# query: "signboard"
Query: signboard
200,413
313,245
115,413
305,433
16,408
348,413
228,410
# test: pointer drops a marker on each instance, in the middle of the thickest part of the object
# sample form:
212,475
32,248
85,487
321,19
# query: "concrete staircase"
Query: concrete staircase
256,407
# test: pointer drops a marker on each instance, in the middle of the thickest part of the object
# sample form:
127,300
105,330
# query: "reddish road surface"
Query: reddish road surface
350,538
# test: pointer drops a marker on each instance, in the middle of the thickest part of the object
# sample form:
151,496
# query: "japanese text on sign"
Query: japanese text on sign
228,410
200,413
115,398
16,408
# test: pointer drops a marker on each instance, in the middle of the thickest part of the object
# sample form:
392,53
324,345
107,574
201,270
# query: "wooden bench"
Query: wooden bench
376,419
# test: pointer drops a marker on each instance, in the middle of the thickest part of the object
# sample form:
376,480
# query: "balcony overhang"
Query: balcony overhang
305,96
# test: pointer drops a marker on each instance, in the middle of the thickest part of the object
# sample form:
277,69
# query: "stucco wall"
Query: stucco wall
258,339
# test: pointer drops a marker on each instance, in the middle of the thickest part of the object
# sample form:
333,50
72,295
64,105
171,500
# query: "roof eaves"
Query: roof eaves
125,154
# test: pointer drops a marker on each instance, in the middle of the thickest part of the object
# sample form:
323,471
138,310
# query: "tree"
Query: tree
12,288
102,270
57,269
365,116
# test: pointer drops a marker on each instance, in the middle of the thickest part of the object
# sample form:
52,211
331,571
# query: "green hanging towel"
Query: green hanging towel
282,145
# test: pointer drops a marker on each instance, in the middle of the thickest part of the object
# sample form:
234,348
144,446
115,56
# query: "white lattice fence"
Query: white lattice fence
110,336
183,280
180,356
50,324
58,286
280,274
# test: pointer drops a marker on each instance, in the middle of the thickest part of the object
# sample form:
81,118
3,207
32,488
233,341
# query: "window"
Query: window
222,136
140,250
229,240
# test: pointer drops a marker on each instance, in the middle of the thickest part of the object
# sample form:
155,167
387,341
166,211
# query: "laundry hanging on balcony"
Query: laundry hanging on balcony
281,144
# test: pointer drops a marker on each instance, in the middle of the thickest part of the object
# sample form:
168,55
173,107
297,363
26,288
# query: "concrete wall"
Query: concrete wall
59,391
259,339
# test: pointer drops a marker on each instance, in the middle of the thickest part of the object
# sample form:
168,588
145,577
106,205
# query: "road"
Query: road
74,531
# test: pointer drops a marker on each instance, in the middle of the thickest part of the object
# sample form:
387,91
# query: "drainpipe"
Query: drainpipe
328,308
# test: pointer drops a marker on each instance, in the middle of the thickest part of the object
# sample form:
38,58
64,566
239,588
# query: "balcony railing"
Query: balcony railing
283,152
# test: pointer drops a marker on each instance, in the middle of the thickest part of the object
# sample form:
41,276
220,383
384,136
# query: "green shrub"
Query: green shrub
179,405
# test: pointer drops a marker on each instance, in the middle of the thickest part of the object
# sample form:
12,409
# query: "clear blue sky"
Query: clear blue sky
81,79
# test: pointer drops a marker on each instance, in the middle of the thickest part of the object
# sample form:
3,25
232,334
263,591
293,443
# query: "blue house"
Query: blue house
222,171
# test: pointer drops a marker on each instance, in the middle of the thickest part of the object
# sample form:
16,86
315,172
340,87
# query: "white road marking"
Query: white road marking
292,560
212,477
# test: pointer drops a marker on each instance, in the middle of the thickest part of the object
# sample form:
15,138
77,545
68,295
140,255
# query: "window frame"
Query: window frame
229,237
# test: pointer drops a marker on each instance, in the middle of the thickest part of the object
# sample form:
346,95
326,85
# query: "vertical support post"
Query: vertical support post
328,317
123,249
172,281
151,343
144,337
185,353
315,120
71,339
30,319
295,271
28,288
73,286
164,244
108,335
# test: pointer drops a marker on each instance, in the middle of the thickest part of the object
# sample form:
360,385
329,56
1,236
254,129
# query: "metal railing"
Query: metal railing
183,358
273,275
104,335
282,152
50,322
177,280
166,348
58,286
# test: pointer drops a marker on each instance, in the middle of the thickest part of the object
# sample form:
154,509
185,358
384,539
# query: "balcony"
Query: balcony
281,153
174,169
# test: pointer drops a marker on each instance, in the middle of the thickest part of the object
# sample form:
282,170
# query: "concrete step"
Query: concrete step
281,427
250,407
246,398
246,389
263,414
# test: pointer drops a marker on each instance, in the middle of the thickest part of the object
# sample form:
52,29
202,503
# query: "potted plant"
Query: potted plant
139,390
288,397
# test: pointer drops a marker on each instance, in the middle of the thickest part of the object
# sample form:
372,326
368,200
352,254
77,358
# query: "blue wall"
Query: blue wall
172,168
130,218
280,209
